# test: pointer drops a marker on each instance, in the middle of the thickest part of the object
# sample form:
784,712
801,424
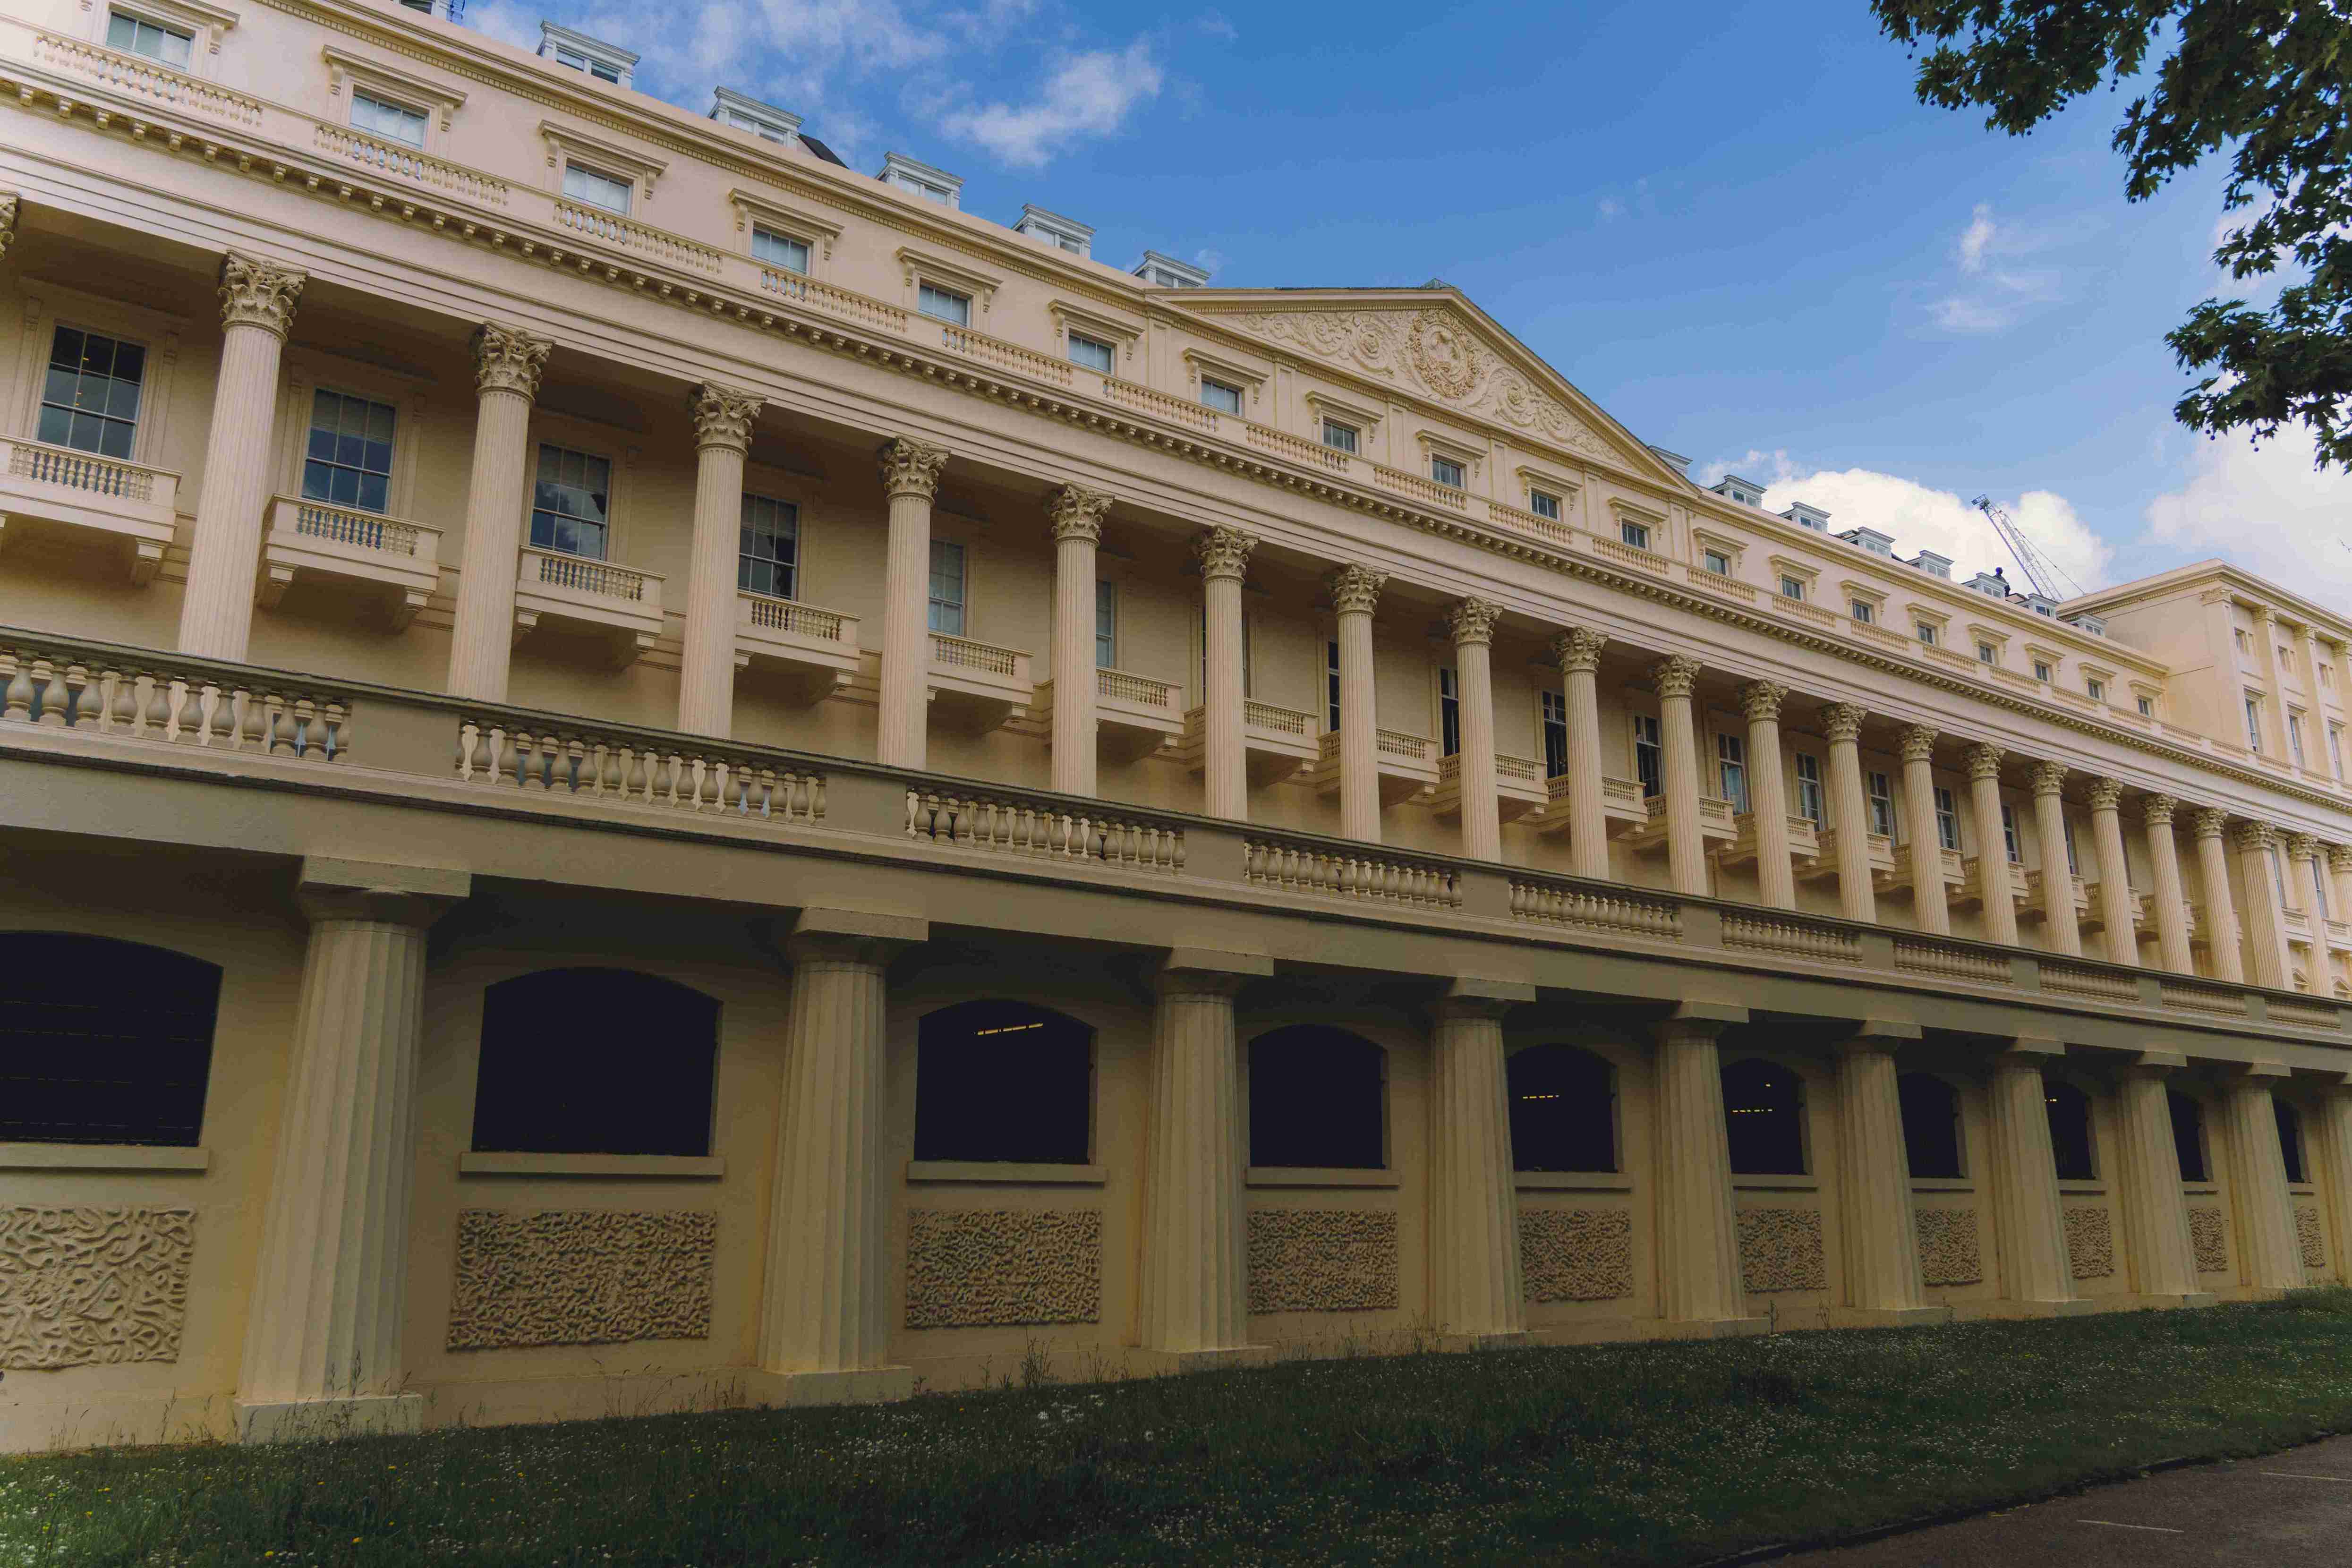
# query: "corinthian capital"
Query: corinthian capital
2208,822
1842,722
1224,551
508,361
2049,778
723,416
1473,621
1761,699
1984,760
2105,795
910,467
1356,589
2301,846
2156,810
1578,651
2339,859
1076,513
1918,744
1676,676
8,220
2253,837
257,293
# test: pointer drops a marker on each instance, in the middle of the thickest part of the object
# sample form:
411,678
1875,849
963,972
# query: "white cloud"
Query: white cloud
1213,24
1992,298
2265,509
1976,239
1612,209
1087,94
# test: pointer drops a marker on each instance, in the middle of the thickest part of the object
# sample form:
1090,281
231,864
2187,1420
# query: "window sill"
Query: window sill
2083,1189
1572,1182
1315,1177
1788,1184
1942,1184
1004,1171
2301,1190
101,1157
659,1167
2200,1189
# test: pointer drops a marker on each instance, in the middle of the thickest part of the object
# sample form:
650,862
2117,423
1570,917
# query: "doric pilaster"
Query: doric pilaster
2270,1253
1699,1245
2156,1218
1473,1257
2029,1225
1879,1231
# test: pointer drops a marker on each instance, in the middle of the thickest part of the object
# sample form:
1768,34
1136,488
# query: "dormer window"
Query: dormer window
1162,271
583,184
765,121
578,51
931,185
137,36
1052,228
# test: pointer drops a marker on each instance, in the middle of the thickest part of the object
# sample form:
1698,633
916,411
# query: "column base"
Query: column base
1713,1328
2185,1299
1230,1358
316,1420
1511,1340
1886,1317
856,1386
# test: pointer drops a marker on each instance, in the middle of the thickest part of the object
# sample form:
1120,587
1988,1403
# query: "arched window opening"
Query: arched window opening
1931,1125
1003,1081
1318,1096
2289,1131
595,1061
2188,1134
1563,1109
1764,1119
103,1041
2070,1131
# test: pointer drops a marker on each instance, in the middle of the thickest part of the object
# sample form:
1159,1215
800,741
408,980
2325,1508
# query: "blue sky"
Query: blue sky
1732,226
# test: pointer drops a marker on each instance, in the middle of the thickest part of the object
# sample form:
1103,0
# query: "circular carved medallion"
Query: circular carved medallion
1445,355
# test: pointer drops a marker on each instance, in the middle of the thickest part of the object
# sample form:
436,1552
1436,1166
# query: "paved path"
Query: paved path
2286,1511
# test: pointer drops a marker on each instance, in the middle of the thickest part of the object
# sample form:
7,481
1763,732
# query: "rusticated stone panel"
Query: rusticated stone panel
1576,1255
2313,1242
582,1277
1322,1260
966,1267
1949,1253
85,1285
2090,1241
2209,1238
1780,1250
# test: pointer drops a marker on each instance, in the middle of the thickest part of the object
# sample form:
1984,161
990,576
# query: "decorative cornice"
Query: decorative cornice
1761,699
2155,810
2252,837
506,360
1578,651
2105,795
1473,621
910,467
256,293
723,416
1676,676
1076,513
1918,744
1223,552
1355,590
1842,722
2049,778
1984,760
2208,822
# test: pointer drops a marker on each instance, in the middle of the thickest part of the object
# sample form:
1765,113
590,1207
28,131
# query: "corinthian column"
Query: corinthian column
1767,792
2221,938
1699,1245
507,366
1471,622
1224,555
2114,872
2268,1248
1474,1210
2064,929
911,477
825,1330
2265,925
706,674
1677,678
2156,1217
257,301
2028,1224
322,1351
1354,591
1076,514
2171,904
1880,1233
1850,811
1927,845
1579,651
1998,889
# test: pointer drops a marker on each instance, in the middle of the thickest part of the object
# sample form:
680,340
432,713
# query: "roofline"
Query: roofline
2103,601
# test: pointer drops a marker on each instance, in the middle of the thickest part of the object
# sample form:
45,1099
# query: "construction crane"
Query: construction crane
2039,569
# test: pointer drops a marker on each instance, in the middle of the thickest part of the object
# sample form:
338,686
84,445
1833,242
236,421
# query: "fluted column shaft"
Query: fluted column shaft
1767,793
1929,903
2327,1139
1472,621
1224,559
2265,926
323,1341
1195,1244
2171,902
2122,934
1999,889
706,672
1880,1233
507,368
2269,1251
2156,1218
1676,679
1474,1215
911,477
257,301
2063,927
1588,822
2222,935
1354,591
1850,813
2029,1225
1076,513
1698,1244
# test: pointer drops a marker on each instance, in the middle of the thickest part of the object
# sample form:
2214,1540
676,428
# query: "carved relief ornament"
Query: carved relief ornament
723,416
2210,821
258,293
2301,846
1578,651
2339,858
910,467
1842,722
1224,551
2253,837
1676,676
2105,795
1473,621
508,361
2049,778
1077,512
8,206
1984,760
2155,810
1919,744
1355,590
1761,699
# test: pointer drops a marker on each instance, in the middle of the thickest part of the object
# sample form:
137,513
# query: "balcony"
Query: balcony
1277,741
46,489
2297,924
1804,841
815,650
1878,850
385,558
977,685
1897,879
617,606
2095,916
1621,807
2339,936
1134,714
1519,787
1406,764
2035,907
1972,895
1716,824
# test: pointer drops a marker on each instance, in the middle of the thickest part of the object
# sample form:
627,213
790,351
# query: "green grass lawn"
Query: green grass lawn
1611,1454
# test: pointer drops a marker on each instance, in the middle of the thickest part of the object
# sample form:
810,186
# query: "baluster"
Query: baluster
122,701
766,793
253,722
610,772
914,806
212,720
19,708
75,715
46,693
632,769
469,735
812,791
1176,859
339,742
176,726
691,776
673,774
501,755
583,773
277,723
965,819
313,728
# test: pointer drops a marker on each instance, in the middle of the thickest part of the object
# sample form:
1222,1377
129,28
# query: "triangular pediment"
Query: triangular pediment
1434,345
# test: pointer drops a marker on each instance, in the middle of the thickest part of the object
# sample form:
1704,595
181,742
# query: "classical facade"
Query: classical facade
645,771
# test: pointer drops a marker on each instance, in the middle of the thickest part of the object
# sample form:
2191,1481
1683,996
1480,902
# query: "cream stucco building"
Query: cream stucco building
642,769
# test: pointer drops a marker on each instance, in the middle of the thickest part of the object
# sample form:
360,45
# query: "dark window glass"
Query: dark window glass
89,395
103,1041
1004,1080
1555,734
1649,756
1931,1125
349,459
1449,712
2289,1131
1563,1109
571,504
1764,1119
1331,687
770,547
2070,1131
595,1061
2188,1134
1317,1097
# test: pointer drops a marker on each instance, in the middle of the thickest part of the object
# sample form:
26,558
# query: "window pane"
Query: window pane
345,465
568,503
942,305
1090,354
1342,436
1218,395
777,251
